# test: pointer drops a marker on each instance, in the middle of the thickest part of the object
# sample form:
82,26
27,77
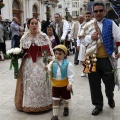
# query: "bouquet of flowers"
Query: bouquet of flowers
46,59
15,54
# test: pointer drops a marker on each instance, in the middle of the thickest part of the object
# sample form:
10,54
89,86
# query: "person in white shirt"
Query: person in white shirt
81,47
74,34
71,25
109,34
69,41
61,27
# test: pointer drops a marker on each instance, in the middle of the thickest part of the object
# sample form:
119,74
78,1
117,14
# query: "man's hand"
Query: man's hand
117,55
69,87
94,36
62,39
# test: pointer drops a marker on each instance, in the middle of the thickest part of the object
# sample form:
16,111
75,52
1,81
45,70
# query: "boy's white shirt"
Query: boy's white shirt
71,73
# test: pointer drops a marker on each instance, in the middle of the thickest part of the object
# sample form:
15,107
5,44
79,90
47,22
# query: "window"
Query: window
75,4
75,13
68,5
15,5
35,10
59,6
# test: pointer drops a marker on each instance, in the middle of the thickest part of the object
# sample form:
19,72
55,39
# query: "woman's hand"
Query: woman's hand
46,68
69,87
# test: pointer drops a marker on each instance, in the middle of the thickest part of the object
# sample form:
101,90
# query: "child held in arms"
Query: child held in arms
62,77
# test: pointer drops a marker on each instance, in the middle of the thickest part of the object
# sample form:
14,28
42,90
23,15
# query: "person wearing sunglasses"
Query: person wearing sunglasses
109,33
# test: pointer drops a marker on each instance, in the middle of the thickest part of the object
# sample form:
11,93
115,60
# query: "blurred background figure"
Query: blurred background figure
52,36
88,16
61,27
16,30
81,56
2,39
43,26
78,25
24,25
70,42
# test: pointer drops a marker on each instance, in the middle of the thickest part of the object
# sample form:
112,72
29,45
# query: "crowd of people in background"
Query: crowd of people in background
62,30
64,37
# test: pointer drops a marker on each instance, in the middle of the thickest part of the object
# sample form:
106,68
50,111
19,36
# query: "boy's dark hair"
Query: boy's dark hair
99,4
59,49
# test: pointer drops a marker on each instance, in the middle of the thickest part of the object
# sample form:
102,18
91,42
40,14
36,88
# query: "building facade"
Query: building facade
77,7
23,9
74,7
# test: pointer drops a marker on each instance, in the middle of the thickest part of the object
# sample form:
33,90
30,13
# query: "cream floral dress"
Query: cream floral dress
37,94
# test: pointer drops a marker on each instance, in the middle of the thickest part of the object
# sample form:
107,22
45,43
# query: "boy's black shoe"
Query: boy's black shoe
66,111
54,118
111,103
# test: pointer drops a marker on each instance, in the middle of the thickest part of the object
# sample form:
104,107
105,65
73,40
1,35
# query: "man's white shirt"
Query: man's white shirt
65,29
115,31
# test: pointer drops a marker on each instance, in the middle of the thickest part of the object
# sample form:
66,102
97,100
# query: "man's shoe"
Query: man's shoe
54,118
111,103
96,111
66,111
76,63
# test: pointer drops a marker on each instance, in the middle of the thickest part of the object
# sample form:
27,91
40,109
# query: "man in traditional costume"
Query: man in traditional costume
61,27
109,33
82,48
73,35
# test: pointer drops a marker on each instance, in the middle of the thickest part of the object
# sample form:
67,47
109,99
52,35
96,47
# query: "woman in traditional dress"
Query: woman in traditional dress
33,94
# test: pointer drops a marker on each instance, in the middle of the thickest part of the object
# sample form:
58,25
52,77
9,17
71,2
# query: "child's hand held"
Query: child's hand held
69,87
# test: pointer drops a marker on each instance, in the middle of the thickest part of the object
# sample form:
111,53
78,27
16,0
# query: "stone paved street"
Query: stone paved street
80,104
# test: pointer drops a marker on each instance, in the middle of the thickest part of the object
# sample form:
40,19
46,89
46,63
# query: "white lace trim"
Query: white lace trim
39,40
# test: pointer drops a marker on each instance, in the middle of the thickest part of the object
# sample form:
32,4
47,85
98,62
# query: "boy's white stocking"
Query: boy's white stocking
66,102
55,110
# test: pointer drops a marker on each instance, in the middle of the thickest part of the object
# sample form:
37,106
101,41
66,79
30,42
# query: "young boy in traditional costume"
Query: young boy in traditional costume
62,77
